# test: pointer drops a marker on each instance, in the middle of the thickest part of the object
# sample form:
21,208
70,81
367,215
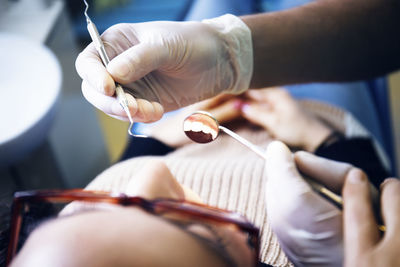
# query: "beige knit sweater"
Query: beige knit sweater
227,175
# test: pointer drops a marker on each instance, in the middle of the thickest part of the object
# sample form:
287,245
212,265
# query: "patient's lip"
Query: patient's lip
201,127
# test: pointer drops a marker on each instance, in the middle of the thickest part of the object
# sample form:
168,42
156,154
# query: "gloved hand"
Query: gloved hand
308,227
169,63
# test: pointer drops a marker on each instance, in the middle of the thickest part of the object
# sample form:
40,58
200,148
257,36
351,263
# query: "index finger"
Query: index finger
91,69
328,172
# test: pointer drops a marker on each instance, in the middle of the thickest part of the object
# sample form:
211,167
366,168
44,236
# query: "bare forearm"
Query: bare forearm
329,40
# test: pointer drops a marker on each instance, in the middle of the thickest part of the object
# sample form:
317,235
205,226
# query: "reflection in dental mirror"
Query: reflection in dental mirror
201,127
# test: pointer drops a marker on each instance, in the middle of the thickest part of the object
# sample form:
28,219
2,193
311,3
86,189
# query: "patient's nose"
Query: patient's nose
155,180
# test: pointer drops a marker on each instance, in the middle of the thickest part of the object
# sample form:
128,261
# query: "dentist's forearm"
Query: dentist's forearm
331,40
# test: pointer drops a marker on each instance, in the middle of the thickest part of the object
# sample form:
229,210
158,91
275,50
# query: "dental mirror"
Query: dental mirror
201,127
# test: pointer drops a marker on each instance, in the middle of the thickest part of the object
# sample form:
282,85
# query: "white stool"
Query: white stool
30,83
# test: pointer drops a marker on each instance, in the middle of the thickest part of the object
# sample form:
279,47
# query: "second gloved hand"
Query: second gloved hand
308,227
172,64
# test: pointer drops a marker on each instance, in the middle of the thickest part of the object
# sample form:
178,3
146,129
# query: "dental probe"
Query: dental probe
99,45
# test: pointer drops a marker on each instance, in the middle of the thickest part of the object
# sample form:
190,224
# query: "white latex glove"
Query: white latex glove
169,63
308,227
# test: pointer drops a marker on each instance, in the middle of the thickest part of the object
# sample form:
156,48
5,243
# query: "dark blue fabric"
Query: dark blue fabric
145,147
379,91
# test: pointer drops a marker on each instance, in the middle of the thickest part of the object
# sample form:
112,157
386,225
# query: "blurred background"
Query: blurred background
67,142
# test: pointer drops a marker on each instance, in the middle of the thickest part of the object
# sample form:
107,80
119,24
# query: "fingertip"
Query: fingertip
158,111
148,111
390,187
279,161
356,176
387,181
277,149
108,85
132,104
354,182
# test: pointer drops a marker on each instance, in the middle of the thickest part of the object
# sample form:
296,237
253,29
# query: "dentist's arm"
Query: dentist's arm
330,40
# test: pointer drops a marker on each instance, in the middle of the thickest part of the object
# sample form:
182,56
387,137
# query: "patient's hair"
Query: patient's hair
5,217
32,218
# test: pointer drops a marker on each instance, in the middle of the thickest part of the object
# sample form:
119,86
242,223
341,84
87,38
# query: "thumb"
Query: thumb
284,185
307,226
136,62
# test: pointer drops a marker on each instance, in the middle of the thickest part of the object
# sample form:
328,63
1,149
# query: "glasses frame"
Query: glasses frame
156,207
